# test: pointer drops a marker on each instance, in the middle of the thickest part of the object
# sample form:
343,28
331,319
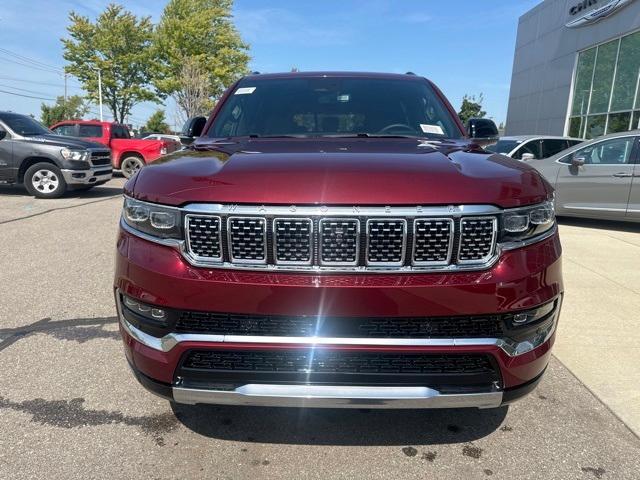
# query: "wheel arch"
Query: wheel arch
30,161
130,153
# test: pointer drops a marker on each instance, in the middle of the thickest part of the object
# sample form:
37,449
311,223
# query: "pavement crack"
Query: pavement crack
80,330
73,414
68,207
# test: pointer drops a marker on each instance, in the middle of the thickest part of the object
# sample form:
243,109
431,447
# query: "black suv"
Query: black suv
48,164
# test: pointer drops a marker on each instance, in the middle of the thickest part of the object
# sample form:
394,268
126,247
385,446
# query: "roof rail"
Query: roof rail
409,73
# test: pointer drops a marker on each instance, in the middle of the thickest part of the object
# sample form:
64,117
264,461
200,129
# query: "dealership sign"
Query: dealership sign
596,14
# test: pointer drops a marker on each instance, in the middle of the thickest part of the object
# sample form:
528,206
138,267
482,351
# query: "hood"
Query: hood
61,141
362,171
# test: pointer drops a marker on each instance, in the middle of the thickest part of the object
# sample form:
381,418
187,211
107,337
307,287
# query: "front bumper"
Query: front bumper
159,275
93,176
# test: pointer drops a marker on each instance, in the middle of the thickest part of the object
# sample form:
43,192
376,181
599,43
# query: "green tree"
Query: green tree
471,108
74,108
118,44
157,123
197,39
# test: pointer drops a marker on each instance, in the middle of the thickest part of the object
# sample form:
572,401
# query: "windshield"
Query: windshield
330,106
23,125
503,146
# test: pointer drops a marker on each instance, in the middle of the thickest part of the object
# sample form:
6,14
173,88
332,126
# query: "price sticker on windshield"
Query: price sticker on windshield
244,90
434,129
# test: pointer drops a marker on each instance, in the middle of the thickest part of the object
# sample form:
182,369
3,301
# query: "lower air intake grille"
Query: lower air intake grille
487,326
336,361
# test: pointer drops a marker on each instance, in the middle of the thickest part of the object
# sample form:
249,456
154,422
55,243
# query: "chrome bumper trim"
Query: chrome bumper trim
90,175
325,396
168,342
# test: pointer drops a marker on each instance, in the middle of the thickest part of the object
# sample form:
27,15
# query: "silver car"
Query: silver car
531,147
597,179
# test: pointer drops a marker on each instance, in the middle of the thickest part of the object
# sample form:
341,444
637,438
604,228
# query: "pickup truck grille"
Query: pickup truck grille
335,361
213,323
316,242
101,158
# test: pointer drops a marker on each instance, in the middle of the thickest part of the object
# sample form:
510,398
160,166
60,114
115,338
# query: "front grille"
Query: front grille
336,361
478,326
339,241
203,236
248,239
100,158
293,242
477,239
386,241
311,241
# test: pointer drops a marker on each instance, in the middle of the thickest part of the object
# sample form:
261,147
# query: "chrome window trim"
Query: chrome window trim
451,241
494,237
264,239
200,258
321,262
404,242
275,243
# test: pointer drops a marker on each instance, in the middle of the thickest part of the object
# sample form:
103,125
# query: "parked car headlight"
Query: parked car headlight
79,155
152,219
527,222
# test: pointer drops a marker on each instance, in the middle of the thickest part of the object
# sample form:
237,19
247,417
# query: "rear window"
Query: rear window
86,131
334,106
66,130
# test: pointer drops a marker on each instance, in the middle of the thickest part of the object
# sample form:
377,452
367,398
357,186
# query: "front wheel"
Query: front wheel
44,180
131,165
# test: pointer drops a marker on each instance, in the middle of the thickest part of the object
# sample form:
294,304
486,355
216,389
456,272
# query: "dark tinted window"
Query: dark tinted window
89,131
532,147
24,125
118,131
552,146
610,152
67,130
334,106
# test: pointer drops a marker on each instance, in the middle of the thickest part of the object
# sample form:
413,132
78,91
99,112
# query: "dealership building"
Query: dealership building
576,69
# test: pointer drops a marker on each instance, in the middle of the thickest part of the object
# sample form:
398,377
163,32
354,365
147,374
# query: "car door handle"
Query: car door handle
622,175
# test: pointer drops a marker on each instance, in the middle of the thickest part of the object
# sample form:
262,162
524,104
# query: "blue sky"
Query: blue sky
464,46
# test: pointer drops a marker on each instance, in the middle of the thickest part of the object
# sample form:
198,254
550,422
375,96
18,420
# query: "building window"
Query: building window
605,89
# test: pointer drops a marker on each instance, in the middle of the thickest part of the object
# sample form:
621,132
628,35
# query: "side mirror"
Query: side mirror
528,156
577,161
2,134
482,130
193,127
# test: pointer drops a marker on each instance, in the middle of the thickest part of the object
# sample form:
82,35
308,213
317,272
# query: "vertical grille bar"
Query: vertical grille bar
432,241
477,239
292,240
204,237
386,241
247,238
339,241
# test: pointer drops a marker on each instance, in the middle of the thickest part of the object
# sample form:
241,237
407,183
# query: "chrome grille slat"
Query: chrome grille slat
293,241
319,241
432,241
339,240
477,239
386,241
247,238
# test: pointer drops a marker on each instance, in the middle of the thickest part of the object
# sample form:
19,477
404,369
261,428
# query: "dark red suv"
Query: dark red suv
335,240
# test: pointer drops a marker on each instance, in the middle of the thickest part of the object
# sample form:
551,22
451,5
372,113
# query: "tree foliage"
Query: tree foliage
196,41
74,108
157,123
471,108
120,45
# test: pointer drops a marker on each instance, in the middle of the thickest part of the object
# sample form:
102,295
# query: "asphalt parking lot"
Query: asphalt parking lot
69,407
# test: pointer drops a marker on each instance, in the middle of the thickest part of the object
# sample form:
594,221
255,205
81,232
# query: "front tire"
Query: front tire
44,180
131,165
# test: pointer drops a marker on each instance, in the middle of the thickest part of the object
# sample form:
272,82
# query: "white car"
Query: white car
532,147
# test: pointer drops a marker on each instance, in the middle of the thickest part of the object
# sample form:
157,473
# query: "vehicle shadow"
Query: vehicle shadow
97,192
618,226
343,427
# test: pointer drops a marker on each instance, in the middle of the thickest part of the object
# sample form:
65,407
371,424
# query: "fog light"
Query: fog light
144,310
530,316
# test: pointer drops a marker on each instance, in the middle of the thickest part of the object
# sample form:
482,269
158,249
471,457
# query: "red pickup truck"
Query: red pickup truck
338,240
128,154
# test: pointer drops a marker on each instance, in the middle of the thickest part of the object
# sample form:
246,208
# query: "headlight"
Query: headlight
527,222
152,219
80,155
